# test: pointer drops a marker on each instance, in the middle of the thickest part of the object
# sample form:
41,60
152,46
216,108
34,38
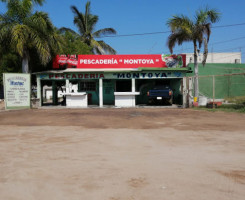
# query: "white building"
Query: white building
229,57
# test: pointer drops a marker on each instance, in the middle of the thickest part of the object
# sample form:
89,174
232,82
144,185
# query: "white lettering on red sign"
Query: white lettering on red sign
98,61
138,61
114,61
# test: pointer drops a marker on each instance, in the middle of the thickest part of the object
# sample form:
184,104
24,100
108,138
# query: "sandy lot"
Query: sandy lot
121,154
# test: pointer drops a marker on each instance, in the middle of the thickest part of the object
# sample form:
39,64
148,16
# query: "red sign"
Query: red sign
72,61
122,61
63,61
59,61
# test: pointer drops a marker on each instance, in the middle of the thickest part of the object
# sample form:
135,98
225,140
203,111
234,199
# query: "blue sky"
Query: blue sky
144,16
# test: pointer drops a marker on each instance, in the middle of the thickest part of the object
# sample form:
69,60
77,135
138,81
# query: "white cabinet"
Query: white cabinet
79,99
125,99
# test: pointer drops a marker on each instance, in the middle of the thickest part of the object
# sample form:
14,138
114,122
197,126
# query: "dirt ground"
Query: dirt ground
121,154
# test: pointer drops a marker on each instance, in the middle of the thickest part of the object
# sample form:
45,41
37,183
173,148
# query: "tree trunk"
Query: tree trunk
196,83
25,65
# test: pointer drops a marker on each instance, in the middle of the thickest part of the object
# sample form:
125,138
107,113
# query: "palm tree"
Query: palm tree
197,31
86,25
23,31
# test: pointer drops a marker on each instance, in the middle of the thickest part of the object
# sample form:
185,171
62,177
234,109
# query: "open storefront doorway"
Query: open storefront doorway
52,92
145,85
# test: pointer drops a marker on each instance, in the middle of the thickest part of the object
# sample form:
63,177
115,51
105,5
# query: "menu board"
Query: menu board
17,91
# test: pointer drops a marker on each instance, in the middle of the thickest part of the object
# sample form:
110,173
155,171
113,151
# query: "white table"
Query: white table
79,99
125,99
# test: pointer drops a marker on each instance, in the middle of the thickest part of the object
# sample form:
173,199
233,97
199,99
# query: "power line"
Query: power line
219,50
222,50
229,25
136,34
220,42
228,40
162,32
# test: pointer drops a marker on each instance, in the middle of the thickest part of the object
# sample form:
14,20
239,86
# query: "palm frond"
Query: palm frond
42,46
63,30
41,22
207,15
97,48
19,38
96,51
43,50
87,13
19,10
104,31
56,43
27,6
79,25
201,16
214,15
79,18
177,38
5,36
39,2
107,48
180,22
92,21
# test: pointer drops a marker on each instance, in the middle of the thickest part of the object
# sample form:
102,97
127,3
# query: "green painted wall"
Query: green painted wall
93,96
108,92
225,86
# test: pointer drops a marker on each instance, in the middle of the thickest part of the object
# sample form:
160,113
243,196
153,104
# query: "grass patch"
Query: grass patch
232,108
239,108
235,104
236,100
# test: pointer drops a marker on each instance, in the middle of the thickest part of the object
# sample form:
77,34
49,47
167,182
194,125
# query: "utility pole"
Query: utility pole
213,91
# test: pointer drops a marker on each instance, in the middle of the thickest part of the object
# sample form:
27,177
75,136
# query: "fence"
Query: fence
219,86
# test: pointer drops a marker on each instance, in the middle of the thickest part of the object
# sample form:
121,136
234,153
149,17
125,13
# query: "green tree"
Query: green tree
85,23
22,31
9,62
72,45
197,31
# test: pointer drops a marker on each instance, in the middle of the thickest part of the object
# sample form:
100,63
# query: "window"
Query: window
87,86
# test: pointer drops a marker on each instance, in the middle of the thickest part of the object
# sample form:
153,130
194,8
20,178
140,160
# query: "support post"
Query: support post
133,90
184,92
196,81
213,91
39,91
67,86
101,91
54,93
133,85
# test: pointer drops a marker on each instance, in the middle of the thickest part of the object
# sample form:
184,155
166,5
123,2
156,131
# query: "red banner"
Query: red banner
121,61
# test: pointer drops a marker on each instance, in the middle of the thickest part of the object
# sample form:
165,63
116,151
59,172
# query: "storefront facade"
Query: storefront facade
108,80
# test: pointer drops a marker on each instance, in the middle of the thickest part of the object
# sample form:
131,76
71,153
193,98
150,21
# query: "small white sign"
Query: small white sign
17,91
